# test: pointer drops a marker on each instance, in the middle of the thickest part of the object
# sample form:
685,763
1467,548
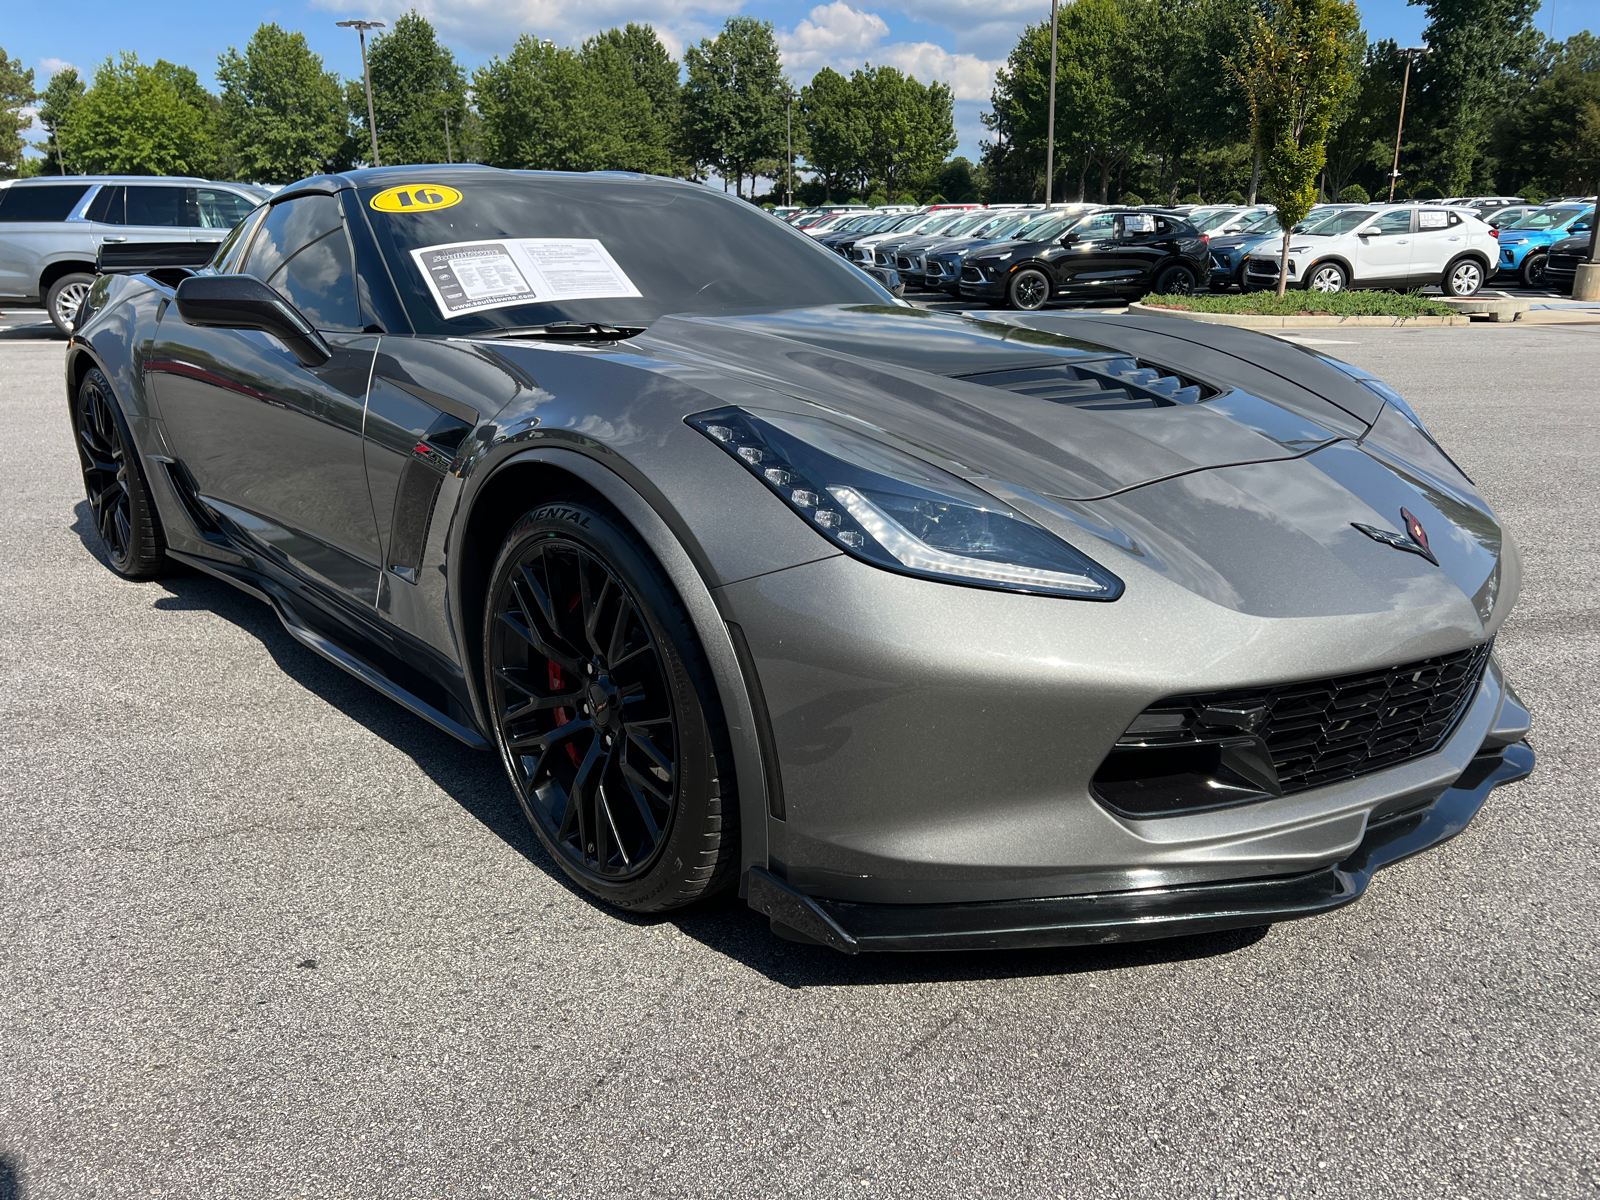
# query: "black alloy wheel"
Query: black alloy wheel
1029,290
604,712
119,502
1532,271
1176,280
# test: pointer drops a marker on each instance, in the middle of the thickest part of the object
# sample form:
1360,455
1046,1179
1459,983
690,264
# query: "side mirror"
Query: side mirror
1069,239
244,302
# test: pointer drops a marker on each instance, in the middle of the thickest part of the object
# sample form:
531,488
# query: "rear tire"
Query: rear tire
1532,271
605,713
65,297
123,514
1464,277
1176,280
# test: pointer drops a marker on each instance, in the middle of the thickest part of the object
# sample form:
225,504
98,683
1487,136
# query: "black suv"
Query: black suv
1118,253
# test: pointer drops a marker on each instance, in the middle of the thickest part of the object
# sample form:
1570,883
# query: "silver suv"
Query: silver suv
51,230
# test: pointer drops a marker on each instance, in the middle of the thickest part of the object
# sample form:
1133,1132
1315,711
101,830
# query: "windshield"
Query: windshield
1546,218
1043,228
1212,220
545,248
1260,222
1335,221
940,223
968,222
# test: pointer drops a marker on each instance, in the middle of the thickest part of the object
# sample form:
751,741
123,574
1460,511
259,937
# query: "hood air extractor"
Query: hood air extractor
1115,383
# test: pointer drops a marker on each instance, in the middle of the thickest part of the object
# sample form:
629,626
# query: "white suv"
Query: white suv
1403,246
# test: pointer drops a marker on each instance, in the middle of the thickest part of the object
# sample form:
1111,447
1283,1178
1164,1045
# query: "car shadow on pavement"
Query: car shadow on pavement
725,924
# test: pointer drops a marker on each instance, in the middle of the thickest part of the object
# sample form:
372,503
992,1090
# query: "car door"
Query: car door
273,446
1148,243
1440,236
1382,249
142,212
1087,264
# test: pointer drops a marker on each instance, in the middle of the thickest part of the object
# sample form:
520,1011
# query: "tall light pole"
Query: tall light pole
449,155
361,28
1405,86
788,133
1050,118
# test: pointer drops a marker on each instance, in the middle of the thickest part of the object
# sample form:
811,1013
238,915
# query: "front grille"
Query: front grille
1315,733
882,259
1562,263
904,262
1267,269
971,275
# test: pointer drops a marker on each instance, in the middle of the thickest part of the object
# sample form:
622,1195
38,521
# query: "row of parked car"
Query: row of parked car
1024,256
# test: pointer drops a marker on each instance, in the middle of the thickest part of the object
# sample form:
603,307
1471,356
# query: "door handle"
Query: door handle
118,238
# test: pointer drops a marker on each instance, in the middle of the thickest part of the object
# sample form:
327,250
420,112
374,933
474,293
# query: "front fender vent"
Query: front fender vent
1116,383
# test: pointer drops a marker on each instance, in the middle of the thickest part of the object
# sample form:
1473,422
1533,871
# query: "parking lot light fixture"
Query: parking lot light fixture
788,133
1050,117
361,28
1394,172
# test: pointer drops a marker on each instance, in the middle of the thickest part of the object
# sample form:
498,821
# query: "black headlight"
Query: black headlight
898,512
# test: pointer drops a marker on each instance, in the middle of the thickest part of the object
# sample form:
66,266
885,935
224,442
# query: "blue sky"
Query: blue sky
958,41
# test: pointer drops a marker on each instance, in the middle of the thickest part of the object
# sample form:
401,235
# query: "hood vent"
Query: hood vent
1115,383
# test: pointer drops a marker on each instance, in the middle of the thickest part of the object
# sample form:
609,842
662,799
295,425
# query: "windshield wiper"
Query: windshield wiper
582,330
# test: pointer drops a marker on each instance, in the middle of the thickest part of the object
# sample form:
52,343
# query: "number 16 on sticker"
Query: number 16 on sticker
415,197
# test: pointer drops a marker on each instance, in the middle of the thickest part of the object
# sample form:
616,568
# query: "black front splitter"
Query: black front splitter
1138,915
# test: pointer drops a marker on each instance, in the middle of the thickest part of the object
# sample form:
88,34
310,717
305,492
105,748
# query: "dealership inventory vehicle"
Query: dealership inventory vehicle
1115,253
51,229
941,261
1405,246
1230,250
922,631
1524,244
1566,256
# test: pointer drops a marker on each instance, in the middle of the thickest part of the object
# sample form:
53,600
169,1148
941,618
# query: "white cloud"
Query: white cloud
983,27
489,26
50,66
838,36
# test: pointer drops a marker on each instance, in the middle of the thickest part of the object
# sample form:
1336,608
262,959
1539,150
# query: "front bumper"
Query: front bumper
1143,914
988,289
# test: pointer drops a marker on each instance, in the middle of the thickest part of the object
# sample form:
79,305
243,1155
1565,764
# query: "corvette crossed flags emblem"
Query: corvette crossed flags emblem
1413,541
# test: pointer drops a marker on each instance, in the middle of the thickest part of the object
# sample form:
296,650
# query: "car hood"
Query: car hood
1241,241
1247,497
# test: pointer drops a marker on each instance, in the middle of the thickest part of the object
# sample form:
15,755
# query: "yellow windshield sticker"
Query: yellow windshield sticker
416,198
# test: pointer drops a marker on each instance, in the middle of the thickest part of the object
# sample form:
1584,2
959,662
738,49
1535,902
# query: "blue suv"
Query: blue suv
1524,245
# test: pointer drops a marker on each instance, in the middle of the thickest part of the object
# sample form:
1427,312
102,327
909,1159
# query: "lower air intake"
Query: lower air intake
1192,753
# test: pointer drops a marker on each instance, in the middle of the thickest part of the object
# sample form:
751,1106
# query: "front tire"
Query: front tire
120,507
605,713
1532,271
1029,290
1462,278
1327,277
65,297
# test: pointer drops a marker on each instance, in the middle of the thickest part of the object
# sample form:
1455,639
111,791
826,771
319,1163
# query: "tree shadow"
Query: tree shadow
10,1182
476,781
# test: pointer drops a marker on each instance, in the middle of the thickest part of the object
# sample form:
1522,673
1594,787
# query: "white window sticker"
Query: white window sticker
1432,220
1138,223
468,277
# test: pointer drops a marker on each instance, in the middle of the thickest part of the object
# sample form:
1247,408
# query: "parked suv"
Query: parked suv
1566,256
1523,245
1116,253
51,230
1402,246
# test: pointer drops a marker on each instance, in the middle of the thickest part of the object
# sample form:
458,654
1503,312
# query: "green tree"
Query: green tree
140,119
16,93
413,78
835,130
551,108
909,126
283,114
654,71
1296,70
733,103
56,102
1552,140
1478,50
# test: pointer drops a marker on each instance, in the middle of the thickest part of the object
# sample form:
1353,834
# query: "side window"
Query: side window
232,248
166,207
220,209
1398,221
303,252
49,202
108,205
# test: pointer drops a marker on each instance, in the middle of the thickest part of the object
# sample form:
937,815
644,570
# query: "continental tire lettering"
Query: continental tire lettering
559,512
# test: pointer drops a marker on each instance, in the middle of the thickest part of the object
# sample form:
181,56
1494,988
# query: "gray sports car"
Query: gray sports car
924,631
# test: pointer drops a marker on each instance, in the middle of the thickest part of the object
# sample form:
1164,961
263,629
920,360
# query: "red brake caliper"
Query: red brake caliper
563,715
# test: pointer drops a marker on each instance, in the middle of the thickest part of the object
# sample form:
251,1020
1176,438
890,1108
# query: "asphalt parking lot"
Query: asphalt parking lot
264,934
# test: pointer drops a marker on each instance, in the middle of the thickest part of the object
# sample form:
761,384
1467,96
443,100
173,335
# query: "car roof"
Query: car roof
58,180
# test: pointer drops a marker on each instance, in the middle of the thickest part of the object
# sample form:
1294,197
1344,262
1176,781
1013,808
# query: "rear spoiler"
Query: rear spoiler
169,262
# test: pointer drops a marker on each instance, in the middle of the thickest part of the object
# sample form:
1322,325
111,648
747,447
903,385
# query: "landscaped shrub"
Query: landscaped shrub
1233,198
1354,194
1193,198
1132,201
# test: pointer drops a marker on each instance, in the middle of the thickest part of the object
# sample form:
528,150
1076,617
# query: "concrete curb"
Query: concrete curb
1252,322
